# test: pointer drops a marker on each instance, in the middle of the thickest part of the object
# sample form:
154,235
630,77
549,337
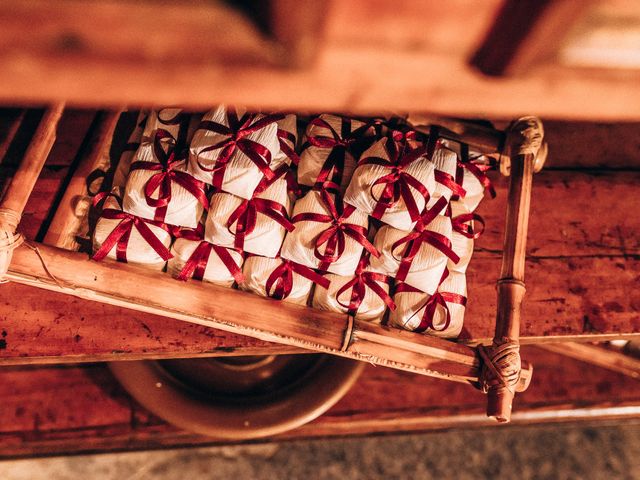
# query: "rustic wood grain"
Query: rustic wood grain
375,57
90,412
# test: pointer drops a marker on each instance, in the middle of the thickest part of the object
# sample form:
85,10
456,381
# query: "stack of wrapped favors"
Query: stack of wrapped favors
362,216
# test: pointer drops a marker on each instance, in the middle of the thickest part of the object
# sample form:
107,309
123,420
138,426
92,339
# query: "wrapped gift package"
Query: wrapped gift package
257,225
440,314
280,279
118,235
204,261
172,120
233,150
393,181
159,188
466,228
329,234
332,147
445,163
288,141
417,258
364,295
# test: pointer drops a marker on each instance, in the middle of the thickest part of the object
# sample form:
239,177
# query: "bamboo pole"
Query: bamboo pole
240,312
501,370
73,209
21,185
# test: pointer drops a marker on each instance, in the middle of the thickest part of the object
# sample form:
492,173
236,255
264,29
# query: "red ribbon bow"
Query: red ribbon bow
398,183
358,284
196,265
430,306
461,225
287,142
237,133
245,215
280,282
161,181
353,142
414,241
334,235
121,234
476,169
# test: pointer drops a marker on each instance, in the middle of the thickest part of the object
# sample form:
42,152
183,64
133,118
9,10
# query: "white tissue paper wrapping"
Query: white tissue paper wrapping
313,158
445,161
268,235
126,157
361,195
215,271
257,271
475,192
168,119
183,209
372,307
299,245
288,125
138,250
429,263
410,309
241,175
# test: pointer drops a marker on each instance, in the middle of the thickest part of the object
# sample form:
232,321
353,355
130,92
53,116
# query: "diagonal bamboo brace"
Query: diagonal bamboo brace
501,371
21,185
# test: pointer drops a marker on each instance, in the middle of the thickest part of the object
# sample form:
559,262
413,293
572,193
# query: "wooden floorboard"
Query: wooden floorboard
53,410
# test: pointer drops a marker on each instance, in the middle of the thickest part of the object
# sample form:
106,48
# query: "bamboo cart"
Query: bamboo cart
496,368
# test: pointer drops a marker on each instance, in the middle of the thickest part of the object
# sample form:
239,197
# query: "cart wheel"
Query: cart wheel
239,397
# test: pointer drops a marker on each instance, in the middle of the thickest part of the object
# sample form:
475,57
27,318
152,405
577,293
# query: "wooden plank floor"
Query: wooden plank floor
583,245
72,409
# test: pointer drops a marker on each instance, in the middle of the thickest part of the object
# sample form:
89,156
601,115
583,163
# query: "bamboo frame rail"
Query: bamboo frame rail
501,367
73,209
22,183
497,369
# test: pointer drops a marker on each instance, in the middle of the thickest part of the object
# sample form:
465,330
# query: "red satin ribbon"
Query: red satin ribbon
237,133
121,234
196,265
286,140
475,169
347,141
246,214
414,241
280,282
333,238
398,183
358,284
162,181
431,305
461,225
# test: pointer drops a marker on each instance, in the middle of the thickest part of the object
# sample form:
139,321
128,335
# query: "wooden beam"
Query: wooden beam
526,32
375,57
240,312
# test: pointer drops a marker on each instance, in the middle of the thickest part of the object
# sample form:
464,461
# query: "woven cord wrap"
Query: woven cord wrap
9,239
501,366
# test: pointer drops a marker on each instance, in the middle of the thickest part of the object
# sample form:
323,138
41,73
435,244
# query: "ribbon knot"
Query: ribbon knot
237,133
429,308
280,281
120,235
414,241
358,284
166,174
347,141
334,237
